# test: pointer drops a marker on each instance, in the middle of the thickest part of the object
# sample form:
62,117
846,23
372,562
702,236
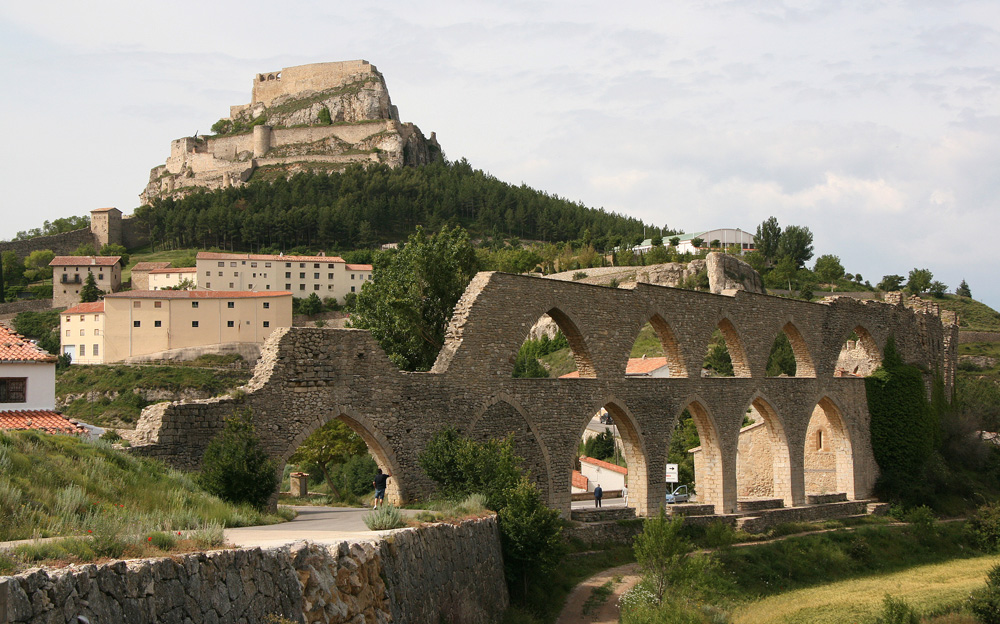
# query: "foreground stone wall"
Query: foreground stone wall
441,573
307,377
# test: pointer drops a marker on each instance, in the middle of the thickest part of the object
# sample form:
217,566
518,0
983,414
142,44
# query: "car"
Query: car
679,495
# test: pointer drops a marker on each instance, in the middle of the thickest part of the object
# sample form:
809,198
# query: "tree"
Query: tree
600,446
781,361
114,249
461,466
796,243
662,552
890,283
235,466
919,281
767,238
86,249
332,444
90,292
697,242
937,289
829,269
529,536
412,294
311,305
963,290
675,240
784,272
38,263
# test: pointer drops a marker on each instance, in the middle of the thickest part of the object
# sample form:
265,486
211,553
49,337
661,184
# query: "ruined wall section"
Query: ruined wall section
443,572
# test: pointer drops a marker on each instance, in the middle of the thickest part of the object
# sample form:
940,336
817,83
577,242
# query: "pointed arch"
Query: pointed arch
503,415
709,465
780,465
671,348
737,352
633,447
577,344
858,358
804,366
828,449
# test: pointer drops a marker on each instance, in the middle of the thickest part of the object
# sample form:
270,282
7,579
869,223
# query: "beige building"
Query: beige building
140,273
172,277
134,323
69,274
327,276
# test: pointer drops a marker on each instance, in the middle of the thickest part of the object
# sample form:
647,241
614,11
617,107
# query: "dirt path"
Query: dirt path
622,579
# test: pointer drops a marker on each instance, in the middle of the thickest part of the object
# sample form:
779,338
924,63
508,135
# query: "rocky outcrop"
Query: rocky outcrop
727,274
323,116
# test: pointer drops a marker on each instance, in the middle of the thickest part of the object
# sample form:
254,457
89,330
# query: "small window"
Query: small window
14,389
135,323
83,350
352,275
157,304
82,318
222,264
253,265
67,332
329,266
315,275
97,332
267,265
288,274
302,265
100,276
229,324
97,350
230,285
315,286
157,323
83,332
194,323
267,323
208,284
267,305
316,266
254,275
249,286
194,304
220,273
267,287
232,264
208,274
288,265
244,263
302,286
68,319
352,288
230,304
96,318
329,276
302,275
136,304
288,286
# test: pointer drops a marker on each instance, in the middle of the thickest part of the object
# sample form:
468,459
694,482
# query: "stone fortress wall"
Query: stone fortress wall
269,86
442,572
307,377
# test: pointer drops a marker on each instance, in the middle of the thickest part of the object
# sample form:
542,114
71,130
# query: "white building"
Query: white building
27,374
719,239
326,276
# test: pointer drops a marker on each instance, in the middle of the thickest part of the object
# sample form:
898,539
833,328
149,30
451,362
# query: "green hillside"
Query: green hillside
973,315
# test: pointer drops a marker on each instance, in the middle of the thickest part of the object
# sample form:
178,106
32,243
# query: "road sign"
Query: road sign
672,473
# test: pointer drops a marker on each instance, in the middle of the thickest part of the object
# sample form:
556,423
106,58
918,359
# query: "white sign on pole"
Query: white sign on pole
672,473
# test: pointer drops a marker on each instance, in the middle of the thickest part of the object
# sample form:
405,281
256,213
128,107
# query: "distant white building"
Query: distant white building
717,239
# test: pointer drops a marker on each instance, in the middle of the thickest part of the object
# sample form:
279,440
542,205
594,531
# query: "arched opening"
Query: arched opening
346,450
611,455
554,347
725,356
763,462
789,355
709,476
859,355
656,352
502,418
828,462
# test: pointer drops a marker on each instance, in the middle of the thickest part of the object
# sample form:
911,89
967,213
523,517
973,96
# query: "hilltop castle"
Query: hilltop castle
322,116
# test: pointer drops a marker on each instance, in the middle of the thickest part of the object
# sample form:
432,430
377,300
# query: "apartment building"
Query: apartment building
138,323
172,277
327,276
69,274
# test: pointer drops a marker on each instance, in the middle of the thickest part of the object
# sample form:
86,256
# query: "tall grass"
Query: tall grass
56,485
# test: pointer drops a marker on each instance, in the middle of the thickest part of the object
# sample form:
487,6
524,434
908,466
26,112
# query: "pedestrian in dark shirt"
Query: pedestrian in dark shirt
598,495
380,482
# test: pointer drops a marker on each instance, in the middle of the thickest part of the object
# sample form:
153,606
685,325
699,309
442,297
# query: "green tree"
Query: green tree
40,326
717,358
919,280
768,238
781,361
783,272
324,116
13,269
600,446
756,260
829,269
890,283
796,243
37,263
332,444
963,290
412,294
113,249
311,305
90,292
675,240
697,242
86,249
937,289
529,536
235,466
461,466
662,552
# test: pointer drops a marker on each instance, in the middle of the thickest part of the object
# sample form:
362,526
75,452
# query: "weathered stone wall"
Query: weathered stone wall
307,377
13,308
441,573
965,337
62,244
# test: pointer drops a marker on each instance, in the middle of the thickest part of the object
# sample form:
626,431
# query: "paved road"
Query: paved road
605,503
323,525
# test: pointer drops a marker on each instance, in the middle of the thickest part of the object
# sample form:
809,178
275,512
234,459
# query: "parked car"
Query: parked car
679,495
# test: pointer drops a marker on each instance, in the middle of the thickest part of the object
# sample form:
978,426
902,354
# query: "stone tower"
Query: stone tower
106,226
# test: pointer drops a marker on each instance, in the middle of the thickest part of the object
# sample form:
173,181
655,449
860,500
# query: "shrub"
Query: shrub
163,541
662,552
384,518
921,517
985,602
529,536
111,436
984,526
209,535
461,466
579,275
896,611
718,534
235,466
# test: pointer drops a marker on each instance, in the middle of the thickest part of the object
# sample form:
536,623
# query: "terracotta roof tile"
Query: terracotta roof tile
16,348
105,209
174,270
580,481
86,308
600,463
359,267
149,266
85,260
635,366
212,255
196,294
41,420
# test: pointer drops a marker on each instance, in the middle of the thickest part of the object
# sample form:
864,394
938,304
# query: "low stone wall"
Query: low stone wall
13,308
965,337
62,244
441,573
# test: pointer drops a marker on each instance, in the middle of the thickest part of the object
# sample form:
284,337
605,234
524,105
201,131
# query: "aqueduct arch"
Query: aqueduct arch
307,376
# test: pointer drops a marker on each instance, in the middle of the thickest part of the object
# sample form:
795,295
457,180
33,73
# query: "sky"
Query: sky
874,124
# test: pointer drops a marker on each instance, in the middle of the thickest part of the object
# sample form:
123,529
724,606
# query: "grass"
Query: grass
558,363
929,589
58,485
973,315
177,258
647,343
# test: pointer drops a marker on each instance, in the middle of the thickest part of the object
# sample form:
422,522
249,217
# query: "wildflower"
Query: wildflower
90,530
149,539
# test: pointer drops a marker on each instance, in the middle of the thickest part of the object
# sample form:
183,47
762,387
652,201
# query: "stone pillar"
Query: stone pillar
299,484
261,141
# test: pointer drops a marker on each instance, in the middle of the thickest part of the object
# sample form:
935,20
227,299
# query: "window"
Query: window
136,304
208,284
229,323
82,318
157,323
232,264
315,286
329,266
244,263
267,287
97,350
302,286
13,389
100,276
97,332
67,332
316,266
288,286
352,288
267,305
254,275
267,265
302,265
315,275
249,286
267,323
135,323
302,275
68,319
230,304
352,275
194,323
288,274
194,304
230,285
329,286
83,332
329,276
157,304
83,350
208,274
97,318
253,265
288,265
220,273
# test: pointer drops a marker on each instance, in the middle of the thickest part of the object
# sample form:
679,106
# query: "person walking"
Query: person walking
380,482
625,494
598,495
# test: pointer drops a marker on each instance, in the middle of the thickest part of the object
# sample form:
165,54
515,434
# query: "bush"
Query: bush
235,467
662,552
384,518
985,602
111,436
163,541
896,611
984,526
461,467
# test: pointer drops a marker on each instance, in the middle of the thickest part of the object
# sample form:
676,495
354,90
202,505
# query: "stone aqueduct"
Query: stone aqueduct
306,377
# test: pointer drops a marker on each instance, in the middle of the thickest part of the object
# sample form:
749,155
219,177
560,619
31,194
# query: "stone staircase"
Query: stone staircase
603,514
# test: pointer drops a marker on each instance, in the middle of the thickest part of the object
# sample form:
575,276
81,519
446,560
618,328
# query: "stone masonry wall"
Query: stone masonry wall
62,244
441,573
307,377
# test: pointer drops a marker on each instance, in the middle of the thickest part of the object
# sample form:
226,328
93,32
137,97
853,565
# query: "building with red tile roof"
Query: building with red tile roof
69,274
27,374
638,367
140,273
599,472
39,420
324,276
